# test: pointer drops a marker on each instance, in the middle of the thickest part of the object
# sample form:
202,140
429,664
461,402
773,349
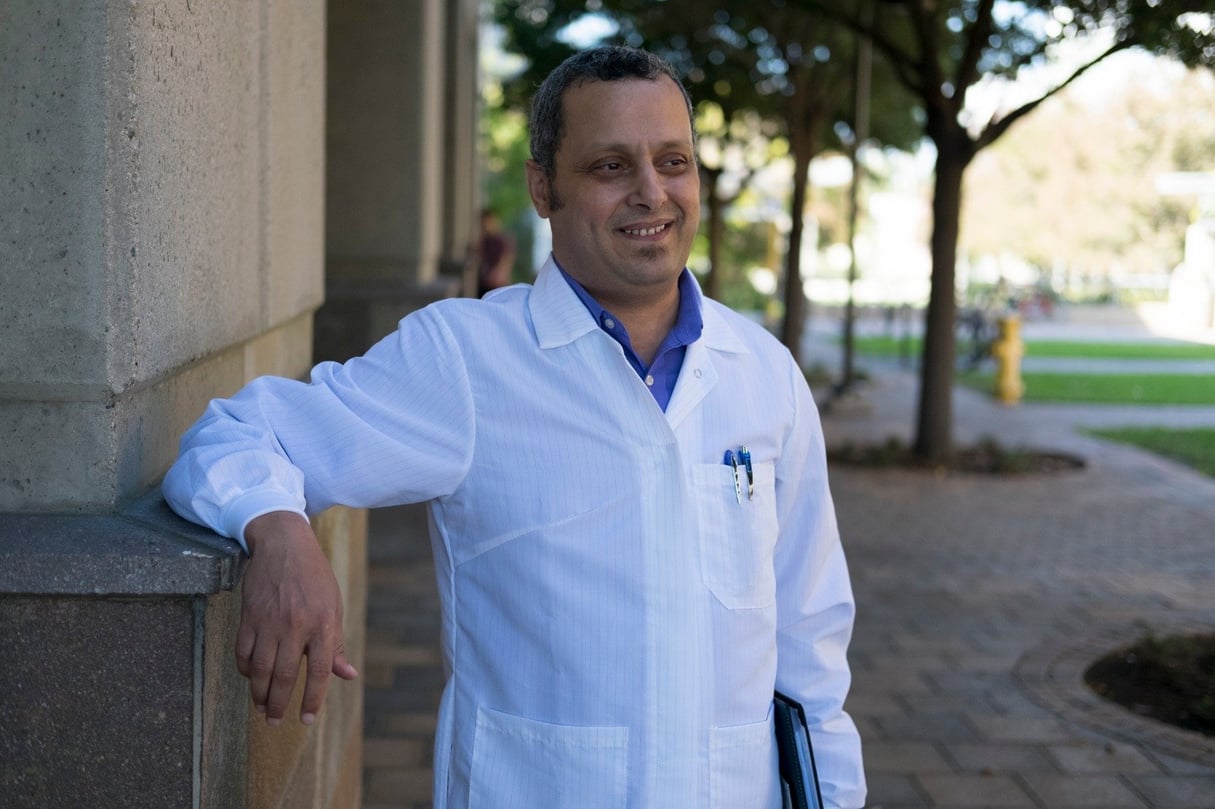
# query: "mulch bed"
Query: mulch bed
987,457
1171,679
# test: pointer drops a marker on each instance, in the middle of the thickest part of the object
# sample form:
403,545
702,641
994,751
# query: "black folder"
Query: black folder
799,778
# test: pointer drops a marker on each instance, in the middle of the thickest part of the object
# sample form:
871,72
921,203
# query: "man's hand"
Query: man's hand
291,608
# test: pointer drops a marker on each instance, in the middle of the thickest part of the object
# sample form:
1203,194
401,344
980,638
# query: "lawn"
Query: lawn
1120,351
1193,447
893,346
1133,389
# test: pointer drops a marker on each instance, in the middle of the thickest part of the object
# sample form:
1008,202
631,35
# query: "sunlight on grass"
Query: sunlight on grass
892,346
886,346
1120,351
1193,447
1132,389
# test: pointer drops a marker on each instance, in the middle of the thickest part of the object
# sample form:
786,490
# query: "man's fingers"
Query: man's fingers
245,638
342,667
262,666
320,661
273,670
282,683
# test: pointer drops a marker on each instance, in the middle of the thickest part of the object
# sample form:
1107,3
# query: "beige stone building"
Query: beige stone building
193,193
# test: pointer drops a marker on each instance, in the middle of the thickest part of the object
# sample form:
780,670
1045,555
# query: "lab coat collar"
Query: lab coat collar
557,314
560,317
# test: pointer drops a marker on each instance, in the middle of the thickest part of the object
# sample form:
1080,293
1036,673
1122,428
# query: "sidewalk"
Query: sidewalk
980,602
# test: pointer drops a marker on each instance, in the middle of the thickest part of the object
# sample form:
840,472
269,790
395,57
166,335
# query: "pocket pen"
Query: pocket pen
744,455
733,462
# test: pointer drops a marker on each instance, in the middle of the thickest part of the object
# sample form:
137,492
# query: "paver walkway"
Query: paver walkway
981,600
979,603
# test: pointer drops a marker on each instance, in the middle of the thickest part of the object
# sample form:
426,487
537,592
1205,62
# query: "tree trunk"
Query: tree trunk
934,432
795,296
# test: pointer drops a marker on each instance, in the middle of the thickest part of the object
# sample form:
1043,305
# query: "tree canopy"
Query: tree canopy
1073,190
771,62
941,51
792,59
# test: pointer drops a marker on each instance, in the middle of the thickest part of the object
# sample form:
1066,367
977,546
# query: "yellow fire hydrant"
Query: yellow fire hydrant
1008,350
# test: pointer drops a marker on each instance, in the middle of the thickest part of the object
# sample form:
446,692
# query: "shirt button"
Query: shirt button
649,380
697,372
609,323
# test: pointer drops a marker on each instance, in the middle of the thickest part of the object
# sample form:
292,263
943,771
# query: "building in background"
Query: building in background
1192,283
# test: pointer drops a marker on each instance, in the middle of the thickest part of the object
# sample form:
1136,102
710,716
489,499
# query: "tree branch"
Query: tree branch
996,128
905,67
968,66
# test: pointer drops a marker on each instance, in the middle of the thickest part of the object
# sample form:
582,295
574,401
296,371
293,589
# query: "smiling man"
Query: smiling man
623,197
633,534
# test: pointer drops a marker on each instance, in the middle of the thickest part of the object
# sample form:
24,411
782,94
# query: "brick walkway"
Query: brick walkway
402,674
979,603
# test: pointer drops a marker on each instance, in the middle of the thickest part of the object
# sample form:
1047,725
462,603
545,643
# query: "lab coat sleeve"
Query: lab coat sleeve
815,607
393,426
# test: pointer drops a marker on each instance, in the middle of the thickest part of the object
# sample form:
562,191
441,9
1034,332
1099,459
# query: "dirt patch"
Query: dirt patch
986,457
1171,679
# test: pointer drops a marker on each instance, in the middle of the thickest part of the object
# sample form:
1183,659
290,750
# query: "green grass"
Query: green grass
1120,351
886,346
892,346
1193,447
1153,389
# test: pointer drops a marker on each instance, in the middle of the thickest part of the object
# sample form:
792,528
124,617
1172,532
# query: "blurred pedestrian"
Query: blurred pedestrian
495,254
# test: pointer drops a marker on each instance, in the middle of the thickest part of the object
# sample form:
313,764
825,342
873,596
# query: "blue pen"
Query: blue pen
745,455
733,462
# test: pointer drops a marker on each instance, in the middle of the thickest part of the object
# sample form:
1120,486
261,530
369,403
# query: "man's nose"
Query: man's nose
650,190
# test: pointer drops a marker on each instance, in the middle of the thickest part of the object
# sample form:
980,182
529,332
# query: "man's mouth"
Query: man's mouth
646,231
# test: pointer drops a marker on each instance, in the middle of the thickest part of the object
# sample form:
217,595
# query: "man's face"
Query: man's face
624,203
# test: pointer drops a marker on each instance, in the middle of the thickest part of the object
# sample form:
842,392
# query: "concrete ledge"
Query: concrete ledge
144,549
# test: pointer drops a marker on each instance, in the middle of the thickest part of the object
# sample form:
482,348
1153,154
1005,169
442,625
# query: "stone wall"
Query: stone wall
162,236
168,172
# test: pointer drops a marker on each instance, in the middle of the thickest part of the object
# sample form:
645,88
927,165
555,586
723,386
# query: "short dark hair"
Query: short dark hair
605,63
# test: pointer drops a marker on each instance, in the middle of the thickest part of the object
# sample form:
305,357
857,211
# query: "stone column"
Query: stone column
461,171
397,221
161,242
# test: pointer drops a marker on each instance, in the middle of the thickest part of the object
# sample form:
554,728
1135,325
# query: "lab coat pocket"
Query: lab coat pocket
737,534
743,766
521,763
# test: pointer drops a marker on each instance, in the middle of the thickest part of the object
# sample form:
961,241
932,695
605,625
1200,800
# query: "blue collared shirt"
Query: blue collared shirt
660,376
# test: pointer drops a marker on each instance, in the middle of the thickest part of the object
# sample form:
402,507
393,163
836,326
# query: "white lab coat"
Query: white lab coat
614,619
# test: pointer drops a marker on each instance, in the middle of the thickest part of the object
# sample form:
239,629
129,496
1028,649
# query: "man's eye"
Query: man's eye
610,166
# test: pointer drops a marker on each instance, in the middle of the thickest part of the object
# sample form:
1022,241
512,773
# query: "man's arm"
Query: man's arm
393,426
815,608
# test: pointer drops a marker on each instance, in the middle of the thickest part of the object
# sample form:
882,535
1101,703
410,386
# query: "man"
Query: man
633,534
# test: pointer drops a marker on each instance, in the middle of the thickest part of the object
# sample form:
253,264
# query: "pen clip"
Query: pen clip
745,455
733,462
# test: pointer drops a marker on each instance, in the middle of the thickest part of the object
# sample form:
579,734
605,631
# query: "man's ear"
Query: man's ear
539,186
